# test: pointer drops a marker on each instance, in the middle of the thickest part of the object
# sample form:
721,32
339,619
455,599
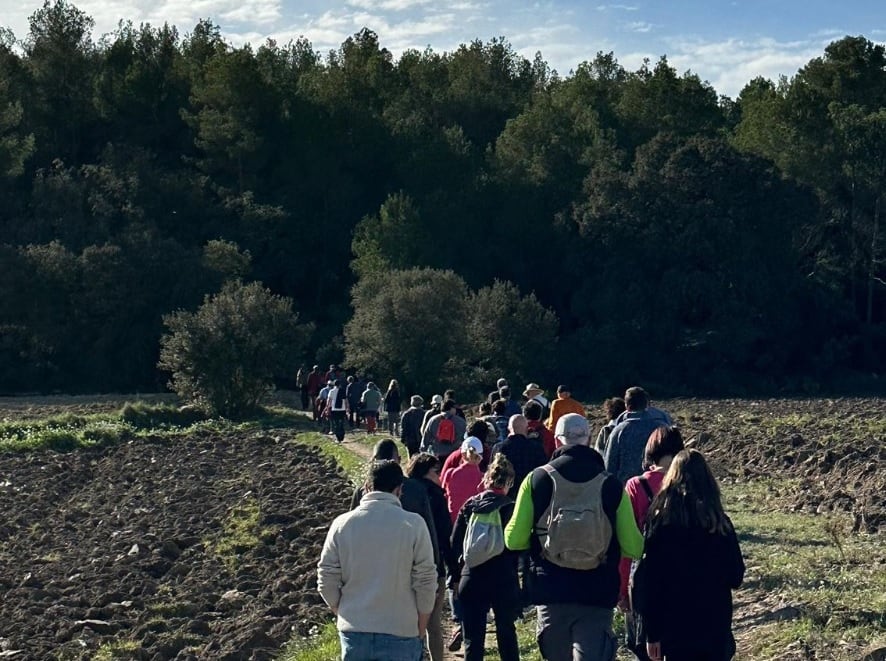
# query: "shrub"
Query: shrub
223,356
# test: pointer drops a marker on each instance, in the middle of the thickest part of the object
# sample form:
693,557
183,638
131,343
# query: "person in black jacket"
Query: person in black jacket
525,455
410,425
691,564
424,471
493,583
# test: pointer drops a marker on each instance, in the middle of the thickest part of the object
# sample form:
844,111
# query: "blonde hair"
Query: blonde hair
392,385
500,474
689,496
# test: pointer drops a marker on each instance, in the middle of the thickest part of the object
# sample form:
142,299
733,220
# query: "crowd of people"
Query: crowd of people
519,508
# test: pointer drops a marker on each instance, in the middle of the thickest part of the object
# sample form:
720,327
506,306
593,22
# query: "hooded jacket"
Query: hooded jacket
497,575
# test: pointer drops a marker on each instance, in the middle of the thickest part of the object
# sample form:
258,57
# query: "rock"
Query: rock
31,581
170,550
875,653
102,627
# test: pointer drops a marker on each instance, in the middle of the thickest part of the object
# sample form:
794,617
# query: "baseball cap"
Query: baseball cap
437,399
472,443
572,429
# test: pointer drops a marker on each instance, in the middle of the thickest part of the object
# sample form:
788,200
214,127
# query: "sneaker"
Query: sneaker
455,640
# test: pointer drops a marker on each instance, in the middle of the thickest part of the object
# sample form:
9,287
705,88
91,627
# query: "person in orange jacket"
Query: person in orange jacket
562,405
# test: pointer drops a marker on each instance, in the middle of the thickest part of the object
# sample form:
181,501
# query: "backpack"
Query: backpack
484,538
577,531
446,431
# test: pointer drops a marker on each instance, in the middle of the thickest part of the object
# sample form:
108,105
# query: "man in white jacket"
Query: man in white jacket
377,574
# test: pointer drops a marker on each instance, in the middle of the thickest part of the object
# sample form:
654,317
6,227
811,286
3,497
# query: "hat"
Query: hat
572,429
472,443
532,390
416,400
437,399
501,382
316,367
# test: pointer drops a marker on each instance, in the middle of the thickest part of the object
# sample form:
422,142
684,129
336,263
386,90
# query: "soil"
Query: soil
121,543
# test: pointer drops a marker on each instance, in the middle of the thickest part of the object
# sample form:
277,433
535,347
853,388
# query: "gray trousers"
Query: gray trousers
576,632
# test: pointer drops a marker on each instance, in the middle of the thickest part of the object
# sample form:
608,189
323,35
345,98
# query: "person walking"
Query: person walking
337,409
444,432
691,564
392,408
523,454
562,405
371,400
663,444
382,601
627,442
410,425
488,577
301,384
313,385
573,560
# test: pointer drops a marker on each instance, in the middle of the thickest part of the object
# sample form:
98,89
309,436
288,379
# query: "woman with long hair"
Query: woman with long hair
491,582
692,562
392,402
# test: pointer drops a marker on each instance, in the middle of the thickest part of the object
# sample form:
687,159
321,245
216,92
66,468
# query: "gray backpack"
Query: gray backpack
577,532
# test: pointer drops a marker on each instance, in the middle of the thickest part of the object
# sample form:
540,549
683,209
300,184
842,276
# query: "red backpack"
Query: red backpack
446,431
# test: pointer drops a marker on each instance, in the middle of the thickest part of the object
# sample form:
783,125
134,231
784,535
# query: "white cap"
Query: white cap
572,429
472,443
437,399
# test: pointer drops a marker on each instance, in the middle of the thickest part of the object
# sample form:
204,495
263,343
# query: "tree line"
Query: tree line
450,216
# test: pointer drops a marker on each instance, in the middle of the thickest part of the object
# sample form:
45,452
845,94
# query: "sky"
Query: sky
725,42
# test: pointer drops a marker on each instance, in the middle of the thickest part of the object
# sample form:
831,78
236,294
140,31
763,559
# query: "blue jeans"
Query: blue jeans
359,646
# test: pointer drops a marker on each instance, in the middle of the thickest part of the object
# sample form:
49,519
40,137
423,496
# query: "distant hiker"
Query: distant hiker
562,405
337,409
463,481
534,393
524,455
512,407
424,470
392,407
371,400
535,429
691,564
301,384
573,561
322,410
354,391
495,395
313,385
488,577
624,449
382,600
444,432
410,425
612,409
436,407
663,444
459,411
329,375
499,420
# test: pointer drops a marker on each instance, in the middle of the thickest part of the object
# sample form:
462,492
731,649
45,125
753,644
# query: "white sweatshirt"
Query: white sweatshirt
377,568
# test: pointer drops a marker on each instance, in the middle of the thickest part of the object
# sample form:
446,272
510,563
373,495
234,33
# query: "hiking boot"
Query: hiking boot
455,640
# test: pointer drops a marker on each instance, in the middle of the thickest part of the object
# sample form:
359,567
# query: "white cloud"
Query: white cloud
387,5
639,26
617,8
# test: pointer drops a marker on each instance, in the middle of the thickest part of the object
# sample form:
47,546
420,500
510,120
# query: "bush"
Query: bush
224,355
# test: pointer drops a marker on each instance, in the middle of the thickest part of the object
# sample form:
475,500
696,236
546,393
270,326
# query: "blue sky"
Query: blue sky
726,42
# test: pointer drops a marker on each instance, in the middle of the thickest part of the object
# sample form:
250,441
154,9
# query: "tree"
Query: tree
411,325
224,355
511,334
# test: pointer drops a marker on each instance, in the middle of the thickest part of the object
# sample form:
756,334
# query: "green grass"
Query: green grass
241,532
118,649
322,646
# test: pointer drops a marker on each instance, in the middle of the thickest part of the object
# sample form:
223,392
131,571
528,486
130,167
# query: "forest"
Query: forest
439,217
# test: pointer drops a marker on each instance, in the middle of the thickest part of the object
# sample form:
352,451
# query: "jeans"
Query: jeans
359,646
576,632
338,424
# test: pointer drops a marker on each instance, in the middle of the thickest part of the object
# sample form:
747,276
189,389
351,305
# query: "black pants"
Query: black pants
304,398
338,424
473,626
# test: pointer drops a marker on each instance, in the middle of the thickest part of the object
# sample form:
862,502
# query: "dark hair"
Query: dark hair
533,410
689,497
480,429
664,441
563,388
448,405
421,464
500,474
385,450
504,392
485,408
449,394
613,407
385,476
499,406
636,399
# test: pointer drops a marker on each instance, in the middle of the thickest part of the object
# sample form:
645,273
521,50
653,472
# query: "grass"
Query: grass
322,646
827,585
118,649
241,532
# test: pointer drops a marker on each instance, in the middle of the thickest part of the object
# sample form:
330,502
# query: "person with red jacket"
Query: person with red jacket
465,480
312,385
536,430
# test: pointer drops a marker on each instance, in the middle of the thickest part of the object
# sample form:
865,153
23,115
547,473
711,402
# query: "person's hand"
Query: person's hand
654,651
624,604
